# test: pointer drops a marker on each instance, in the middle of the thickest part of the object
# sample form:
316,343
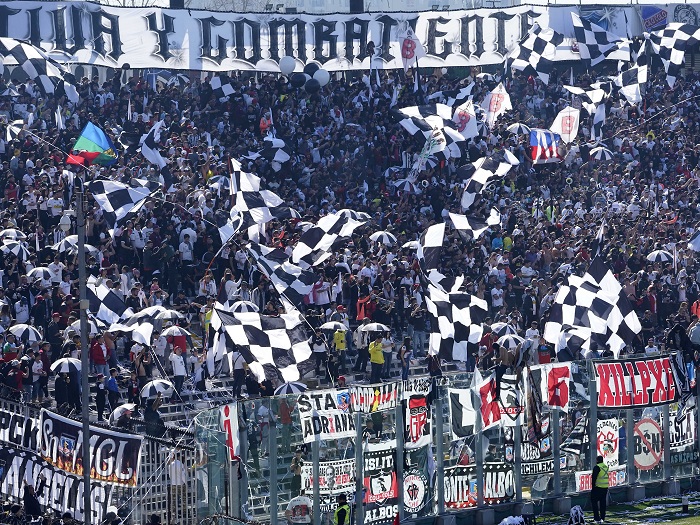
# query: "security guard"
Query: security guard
341,516
599,493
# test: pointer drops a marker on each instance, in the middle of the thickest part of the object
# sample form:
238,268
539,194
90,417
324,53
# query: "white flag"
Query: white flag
496,103
465,119
60,124
411,49
128,110
566,124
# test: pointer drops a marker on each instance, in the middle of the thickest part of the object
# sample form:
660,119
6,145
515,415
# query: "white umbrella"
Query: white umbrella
601,153
510,341
333,325
485,76
661,256
501,329
13,234
405,186
244,307
70,244
15,248
375,327
93,327
293,387
694,242
157,386
66,365
411,245
120,410
40,272
25,333
170,315
175,331
519,129
383,237
352,214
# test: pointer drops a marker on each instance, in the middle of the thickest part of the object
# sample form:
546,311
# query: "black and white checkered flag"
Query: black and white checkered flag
50,76
260,207
288,279
222,87
315,244
242,181
471,227
595,304
118,201
632,81
596,44
105,304
482,173
535,52
434,129
455,320
671,44
589,98
275,348
275,150
453,97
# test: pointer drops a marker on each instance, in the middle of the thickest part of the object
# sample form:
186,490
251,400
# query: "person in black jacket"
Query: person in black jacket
30,501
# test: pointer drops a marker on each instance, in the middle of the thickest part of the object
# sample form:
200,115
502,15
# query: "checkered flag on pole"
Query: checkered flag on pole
288,279
631,82
315,244
222,87
274,347
118,201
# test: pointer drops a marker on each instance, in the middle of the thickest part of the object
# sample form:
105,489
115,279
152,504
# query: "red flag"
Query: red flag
490,408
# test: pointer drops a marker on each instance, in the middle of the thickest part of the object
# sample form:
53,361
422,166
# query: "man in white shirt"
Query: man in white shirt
186,251
178,489
497,295
56,268
533,332
179,370
22,311
651,348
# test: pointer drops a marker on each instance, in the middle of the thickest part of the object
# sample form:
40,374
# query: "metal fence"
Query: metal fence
154,494
503,464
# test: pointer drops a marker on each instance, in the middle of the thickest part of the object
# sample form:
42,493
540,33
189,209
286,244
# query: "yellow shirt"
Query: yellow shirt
339,340
375,353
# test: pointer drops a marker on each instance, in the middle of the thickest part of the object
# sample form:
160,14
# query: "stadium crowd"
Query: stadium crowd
346,153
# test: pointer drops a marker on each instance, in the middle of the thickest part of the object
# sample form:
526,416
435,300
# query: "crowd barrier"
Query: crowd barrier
544,459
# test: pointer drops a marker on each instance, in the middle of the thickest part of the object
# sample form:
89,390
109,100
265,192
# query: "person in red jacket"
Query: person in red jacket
99,355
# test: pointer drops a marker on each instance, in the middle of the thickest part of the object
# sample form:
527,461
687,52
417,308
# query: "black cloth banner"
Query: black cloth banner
114,456
381,487
418,482
460,485
61,492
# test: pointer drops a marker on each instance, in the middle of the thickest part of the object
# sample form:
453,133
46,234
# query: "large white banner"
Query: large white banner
326,414
87,33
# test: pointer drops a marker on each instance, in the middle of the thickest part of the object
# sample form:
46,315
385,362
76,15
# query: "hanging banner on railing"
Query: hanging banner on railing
375,398
608,433
152,37
18,430
380,483
617,476
59,491
114,456
336,477
635,382
460,485
417,431
325,414
228,423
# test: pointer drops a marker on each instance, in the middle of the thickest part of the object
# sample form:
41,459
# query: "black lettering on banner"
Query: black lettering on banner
34,27
58,18
242,27
5,14
465,40
289,27
387,23
163,50
207,50
433,34
501,17
324,33
460,485
352,34
99,29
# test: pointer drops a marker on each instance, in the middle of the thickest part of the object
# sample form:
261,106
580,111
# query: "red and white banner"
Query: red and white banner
617,476
490,407
635,382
